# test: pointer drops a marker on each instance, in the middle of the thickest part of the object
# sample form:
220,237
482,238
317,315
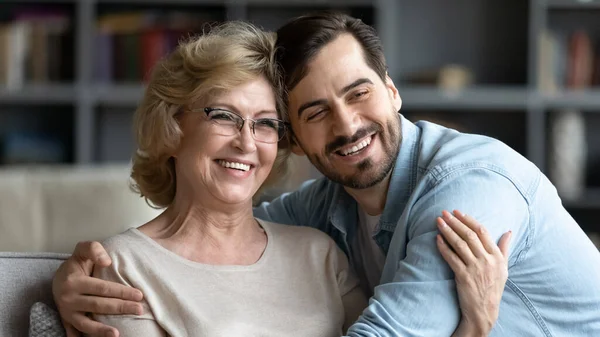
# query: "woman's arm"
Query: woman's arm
480,268
354,302
354,299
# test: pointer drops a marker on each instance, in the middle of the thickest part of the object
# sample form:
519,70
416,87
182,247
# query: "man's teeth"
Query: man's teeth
237,166
356,147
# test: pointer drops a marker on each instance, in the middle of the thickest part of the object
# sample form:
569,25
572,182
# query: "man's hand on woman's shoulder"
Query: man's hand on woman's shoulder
77,293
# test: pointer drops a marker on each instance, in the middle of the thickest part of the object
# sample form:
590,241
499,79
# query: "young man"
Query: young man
386,182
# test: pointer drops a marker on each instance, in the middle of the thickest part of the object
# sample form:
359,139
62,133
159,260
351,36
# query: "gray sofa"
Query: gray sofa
25,278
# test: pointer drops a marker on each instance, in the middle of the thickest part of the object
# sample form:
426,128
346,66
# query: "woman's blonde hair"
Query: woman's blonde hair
229,55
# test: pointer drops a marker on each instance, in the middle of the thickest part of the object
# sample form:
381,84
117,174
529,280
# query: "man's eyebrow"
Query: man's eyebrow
343,91
310,105
354,85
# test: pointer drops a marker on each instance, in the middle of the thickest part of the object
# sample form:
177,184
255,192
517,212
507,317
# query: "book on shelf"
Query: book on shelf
129,44
36,46
29,147
568,60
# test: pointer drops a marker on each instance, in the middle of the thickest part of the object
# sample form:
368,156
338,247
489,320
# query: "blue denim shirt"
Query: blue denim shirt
553,288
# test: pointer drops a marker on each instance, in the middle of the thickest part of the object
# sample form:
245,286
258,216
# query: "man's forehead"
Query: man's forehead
336,54
341,62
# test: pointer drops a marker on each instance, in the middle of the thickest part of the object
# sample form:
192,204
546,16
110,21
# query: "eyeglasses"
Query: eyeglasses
228,123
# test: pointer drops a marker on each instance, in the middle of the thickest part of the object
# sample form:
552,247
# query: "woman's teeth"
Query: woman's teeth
356,147
237,166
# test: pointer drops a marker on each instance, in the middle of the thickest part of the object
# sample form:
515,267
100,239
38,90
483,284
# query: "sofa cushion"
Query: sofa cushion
44,321
25,278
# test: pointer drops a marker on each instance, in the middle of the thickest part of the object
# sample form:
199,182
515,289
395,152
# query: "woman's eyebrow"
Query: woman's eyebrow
266,112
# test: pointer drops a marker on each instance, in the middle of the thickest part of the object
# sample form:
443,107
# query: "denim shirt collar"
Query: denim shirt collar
343,211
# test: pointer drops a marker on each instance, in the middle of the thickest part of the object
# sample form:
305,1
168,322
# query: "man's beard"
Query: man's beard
363,178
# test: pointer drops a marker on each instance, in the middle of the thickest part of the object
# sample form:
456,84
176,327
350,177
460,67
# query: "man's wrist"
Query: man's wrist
466,329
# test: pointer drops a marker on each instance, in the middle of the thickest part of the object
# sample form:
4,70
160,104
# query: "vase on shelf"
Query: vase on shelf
568,153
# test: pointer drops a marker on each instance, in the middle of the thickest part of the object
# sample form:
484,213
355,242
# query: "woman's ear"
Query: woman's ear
294,147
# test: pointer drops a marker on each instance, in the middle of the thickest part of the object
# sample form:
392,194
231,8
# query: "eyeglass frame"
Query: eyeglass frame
285,126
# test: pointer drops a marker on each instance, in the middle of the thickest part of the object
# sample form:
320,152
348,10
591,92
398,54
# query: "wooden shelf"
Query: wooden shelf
278,3
162,2
585,99
497,98
118,94
573,4
39,94
493,98
53,2
316,3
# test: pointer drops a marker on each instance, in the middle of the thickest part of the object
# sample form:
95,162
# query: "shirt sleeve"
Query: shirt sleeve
128,325
421,298
305,206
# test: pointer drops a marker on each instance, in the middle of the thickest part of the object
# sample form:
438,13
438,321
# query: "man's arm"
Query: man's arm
305,206
420,299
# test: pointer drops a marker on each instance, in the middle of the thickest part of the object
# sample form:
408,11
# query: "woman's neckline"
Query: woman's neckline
224,267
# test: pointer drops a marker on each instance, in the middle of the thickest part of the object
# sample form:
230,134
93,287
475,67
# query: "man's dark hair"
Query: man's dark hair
300,40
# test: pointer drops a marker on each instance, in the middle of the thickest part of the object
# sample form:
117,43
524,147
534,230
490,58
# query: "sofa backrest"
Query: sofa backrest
50,209
25,278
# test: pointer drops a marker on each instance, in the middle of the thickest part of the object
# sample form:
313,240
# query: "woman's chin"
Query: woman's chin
236,197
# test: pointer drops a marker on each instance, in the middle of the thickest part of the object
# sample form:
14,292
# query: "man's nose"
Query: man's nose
345,121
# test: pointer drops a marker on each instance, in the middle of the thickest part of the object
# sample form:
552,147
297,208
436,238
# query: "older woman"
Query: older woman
208,134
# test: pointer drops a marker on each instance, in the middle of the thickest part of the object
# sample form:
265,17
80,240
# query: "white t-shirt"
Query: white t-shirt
301,286
368,256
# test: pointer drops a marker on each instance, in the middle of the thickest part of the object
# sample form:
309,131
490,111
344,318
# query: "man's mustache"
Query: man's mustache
341,141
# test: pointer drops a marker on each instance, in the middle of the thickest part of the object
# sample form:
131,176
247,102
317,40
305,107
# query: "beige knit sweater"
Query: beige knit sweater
301,286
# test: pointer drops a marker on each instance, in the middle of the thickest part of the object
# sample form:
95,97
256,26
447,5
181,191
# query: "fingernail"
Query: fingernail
442,223
461,213
447,216
139,296
135,309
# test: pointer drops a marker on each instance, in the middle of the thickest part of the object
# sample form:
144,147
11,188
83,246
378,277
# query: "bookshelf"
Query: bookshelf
498,43
568,4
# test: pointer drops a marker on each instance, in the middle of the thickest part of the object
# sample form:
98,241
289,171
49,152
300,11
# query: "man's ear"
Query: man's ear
393,92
